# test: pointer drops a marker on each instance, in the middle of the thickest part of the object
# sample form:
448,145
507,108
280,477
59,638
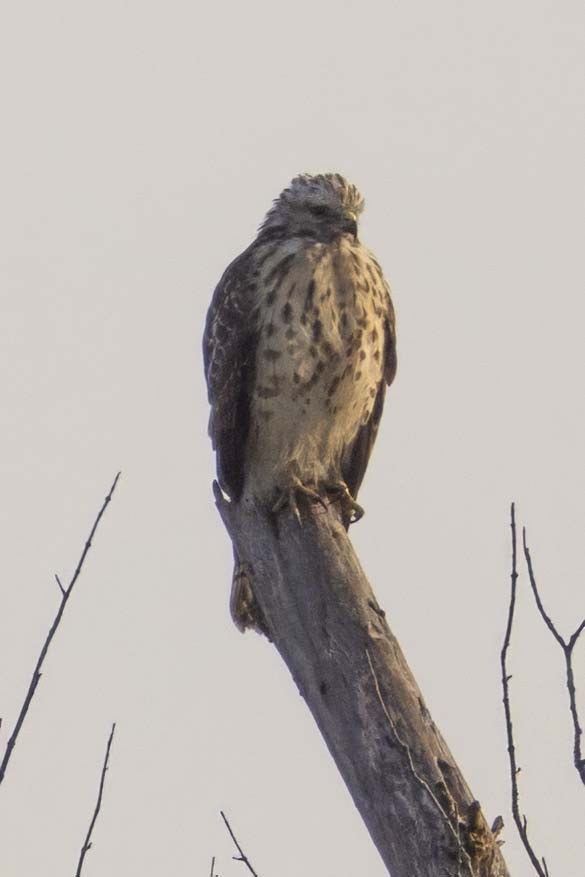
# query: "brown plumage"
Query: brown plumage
299,347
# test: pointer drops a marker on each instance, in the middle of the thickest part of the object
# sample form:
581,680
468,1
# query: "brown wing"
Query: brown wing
357,455
229,352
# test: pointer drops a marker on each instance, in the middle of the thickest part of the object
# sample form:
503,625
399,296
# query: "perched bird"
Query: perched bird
299,346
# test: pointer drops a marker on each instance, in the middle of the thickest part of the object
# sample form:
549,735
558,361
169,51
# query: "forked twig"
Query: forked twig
65,594
242,857
520,820
567,647
86,846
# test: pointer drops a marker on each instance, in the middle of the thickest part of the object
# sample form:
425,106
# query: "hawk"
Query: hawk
299,347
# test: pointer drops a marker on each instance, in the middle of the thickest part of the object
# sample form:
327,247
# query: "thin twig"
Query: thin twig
520,820
86,846
212,866
65,594
567,647
242,857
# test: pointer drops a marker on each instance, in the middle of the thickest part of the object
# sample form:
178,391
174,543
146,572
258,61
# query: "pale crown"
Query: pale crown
322,206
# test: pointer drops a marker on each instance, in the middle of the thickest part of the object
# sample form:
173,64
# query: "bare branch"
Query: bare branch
519,819
578,760
321,614
567,648
539,604
461,851
242,857
577,634
86,846
65,594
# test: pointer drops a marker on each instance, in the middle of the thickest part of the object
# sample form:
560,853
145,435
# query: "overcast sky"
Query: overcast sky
142,144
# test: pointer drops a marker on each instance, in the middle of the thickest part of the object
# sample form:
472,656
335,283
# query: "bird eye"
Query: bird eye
319,210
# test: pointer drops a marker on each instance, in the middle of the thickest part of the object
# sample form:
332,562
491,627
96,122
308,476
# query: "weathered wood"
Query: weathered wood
324,620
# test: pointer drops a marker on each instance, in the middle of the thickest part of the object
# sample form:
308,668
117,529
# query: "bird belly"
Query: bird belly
318,370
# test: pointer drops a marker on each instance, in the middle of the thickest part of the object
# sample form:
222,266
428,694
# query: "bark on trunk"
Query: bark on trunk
324,620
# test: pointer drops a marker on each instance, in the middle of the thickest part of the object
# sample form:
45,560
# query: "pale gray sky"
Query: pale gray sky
142,143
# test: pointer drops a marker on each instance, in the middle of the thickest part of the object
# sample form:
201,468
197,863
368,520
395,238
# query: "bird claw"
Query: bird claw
352,509
288,498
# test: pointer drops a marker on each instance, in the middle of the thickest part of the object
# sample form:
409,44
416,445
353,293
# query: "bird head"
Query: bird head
323,207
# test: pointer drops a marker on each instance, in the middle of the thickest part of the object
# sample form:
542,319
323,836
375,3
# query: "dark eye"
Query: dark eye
319,210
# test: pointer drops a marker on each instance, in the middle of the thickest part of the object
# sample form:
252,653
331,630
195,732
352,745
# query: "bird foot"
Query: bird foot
352,510
288,498
244,607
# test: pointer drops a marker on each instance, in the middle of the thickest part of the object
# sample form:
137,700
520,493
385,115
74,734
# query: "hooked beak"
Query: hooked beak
349,223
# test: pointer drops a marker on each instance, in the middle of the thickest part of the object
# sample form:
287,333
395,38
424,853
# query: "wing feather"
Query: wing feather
357,454
229,353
